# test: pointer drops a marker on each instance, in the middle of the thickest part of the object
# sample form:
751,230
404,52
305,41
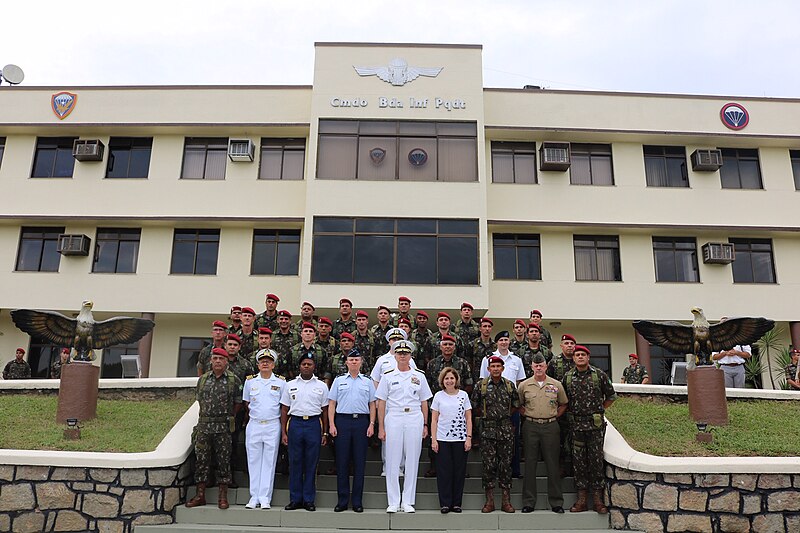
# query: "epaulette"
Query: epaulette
279,376
251,376
419,370
390,370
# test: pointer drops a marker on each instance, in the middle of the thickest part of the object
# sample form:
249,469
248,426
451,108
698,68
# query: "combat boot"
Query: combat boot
199,498
599,506
580,504
222,503
489,506
506,506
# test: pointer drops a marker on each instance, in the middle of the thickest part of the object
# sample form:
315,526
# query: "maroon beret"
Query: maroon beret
308,325
248,310
309,304
362,313
384,307
219,324
520,322
423,313
348,336
537,312
404,299
635,356
467,305
534,326
20,350
236,308
264,331
234,337
219,351
487,320
271,296
496,359
582,348
568,337
441,314
450,338
325,320
405,321
284,312
345,301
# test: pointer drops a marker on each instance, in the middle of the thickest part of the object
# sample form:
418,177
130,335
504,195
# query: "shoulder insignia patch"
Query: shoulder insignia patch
251,376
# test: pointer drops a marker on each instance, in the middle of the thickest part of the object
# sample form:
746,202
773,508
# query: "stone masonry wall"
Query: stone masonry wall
759,503
42,498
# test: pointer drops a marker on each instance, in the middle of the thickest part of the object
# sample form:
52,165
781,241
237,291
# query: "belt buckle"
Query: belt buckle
305,417
355,415
406,409
263,421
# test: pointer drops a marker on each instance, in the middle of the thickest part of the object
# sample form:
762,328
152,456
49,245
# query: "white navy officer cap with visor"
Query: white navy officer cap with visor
404,347
395,333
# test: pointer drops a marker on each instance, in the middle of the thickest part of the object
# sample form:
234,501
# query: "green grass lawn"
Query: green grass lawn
28,422
756,428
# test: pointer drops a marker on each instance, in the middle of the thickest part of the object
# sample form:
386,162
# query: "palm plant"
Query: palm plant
768,345
782,360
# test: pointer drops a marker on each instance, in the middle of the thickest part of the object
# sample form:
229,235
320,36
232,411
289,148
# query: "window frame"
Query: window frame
738,243
514,148
45,234
609,242
516,246
198,233
131,145
2,150
284,145
135,235
601,352
794,158
111,362
670,244
290,237
208,145
592,151
731,156
667,154
185,355
62,148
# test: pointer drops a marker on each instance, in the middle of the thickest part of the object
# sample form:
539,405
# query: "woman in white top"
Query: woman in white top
451,438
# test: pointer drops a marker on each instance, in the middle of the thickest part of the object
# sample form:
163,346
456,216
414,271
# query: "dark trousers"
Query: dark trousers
351,447
305,441
451,469
544,438
515,459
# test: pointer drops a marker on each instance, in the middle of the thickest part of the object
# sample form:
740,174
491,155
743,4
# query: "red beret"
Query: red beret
405,321
487,320
308,325
795,350
450,338
264,331
348,336
362,313
345,301
536,312
468,305
581,348
442,314
284,312
236,308
271,296
20,350
633,355
248,310
404,299
325,320
219,351
384,307
64,350
568,337
496,359
308,304
219,324
234,337
520,322
423,313
534,326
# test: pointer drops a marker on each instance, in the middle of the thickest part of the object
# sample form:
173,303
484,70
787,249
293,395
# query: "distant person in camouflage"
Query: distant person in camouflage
18,368
282,341
423,338
307,345
248,334
379,332
269,318
324,338
404,311
306,315
448,359
532,348
219,394
467,329
345,321
241,367
264,343
364,339
792,378
58,364
496,398
635,374
337,365
547,339
236,320
443,328
219,331
557,369
483,346
590,393
518,336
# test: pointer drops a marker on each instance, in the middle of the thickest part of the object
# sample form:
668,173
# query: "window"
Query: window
38,249
275,252
112,362
397,150
675,259
516,256
188,353
753,262
116,250
795,156
513,162
661,361
205,158
597,258
740,169
665,166
282,159
53,157
416,251
41,355
590,164
2,148
129,157
194,251
600,356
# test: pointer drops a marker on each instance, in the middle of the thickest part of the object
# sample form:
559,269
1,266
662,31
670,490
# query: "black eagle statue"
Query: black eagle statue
702,338
83,334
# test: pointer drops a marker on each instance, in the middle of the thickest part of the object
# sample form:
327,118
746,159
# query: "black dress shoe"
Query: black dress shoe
339,508
445,510
455,509
558,509
358,509
291,506
527,509
309,507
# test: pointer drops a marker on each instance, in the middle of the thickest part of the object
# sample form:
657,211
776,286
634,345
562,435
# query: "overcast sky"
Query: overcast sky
733,47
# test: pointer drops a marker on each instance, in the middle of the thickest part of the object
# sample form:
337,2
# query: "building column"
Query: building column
145,347
643,351
794,334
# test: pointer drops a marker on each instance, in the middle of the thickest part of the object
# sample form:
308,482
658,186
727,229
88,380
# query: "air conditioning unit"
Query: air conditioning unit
241,150
554,156
73,244
706,160
718,253
88,150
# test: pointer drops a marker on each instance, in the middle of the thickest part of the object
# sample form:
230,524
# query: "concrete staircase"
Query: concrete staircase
427,518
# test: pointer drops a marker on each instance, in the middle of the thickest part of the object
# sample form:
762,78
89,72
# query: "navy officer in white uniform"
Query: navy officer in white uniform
351,416
304,428
403,395
262,396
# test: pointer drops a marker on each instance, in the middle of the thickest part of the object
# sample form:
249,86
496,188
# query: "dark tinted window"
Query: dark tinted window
740,169
675,259
38,249
590,164
129,157
195,251
753,262
665,166
516,256
53,157
116,250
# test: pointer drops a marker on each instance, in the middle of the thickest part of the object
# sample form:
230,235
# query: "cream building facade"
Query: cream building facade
426,185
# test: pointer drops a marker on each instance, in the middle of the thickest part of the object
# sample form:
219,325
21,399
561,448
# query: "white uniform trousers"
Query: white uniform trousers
403,445
263,437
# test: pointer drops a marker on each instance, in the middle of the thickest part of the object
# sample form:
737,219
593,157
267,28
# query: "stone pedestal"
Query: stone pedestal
77,395
707,401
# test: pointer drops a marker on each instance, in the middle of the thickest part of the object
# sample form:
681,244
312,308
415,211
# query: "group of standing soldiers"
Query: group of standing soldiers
518,386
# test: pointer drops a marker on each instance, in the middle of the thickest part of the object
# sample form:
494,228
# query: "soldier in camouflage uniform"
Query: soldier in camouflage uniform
379,332
444,328
219,394
306,315
557,369
329,345
236,320
404,311
58,364
307,344
364,339
519,338
264,343
496,398
219,331
241,367
337,364
547,339
248,335
345,321
791,370
590,393
18,368
635,374
423,339
448,359
467,329
282,341
269,318
483,346
534,346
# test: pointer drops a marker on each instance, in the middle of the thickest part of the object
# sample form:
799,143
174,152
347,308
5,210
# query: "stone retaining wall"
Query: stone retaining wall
761,503
47,498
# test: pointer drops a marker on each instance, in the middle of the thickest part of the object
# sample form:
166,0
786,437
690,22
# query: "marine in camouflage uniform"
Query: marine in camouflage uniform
437,364
436,340
467,329
282,343
364,344
381,345
17,368
634,374
423,339
791,370
291,363
248,347
496,398
557,369
55,368
590,392
340,326
528,353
